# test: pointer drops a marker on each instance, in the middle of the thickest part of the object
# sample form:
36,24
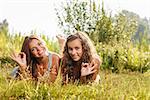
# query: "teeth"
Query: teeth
41,52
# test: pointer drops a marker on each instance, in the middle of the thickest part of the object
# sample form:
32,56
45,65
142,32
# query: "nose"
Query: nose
73,52
38,48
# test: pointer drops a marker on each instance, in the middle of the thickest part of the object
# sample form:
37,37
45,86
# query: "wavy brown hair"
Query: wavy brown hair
88,52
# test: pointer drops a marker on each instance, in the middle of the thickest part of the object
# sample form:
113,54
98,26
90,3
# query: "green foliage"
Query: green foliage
112,36
119,58
8,42
51,44
75,15
113,86
142,36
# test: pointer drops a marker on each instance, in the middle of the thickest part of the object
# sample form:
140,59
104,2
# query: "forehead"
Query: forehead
33,42
74,43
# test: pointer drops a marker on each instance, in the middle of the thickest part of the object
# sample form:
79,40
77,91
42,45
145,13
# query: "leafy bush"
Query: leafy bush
112,36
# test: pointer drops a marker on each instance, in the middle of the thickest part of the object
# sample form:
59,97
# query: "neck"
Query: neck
42,61
77,63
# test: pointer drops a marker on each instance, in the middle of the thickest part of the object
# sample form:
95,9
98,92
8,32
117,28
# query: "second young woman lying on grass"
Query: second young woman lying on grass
35,60
80,62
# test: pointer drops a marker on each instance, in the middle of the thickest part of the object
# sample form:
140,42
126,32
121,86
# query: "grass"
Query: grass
123,86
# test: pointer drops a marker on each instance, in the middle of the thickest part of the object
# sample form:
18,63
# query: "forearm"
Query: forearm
61,46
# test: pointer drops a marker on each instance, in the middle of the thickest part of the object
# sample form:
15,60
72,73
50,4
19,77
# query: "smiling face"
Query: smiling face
75,49
37,48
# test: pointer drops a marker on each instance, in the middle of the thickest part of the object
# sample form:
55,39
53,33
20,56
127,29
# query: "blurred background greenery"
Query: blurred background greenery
122,41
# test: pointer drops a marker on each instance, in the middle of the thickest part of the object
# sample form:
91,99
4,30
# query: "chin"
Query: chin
76,59
44,54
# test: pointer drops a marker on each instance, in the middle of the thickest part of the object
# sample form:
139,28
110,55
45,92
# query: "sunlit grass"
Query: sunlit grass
127,86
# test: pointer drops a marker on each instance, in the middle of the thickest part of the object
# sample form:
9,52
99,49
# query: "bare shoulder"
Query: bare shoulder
55,59
55,55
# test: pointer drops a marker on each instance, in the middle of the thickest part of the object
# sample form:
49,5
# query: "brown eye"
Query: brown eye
69,48
77,48
32,49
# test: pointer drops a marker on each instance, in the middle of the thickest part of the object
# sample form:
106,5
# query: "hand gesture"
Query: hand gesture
19,58
61,39
87,69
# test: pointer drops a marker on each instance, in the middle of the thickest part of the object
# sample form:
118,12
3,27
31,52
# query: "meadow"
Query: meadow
125,69
126,85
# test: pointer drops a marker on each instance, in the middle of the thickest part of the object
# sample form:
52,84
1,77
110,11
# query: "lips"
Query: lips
75,58
41,52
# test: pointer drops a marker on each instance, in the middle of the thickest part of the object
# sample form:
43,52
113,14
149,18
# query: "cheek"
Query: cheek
70,52
44,48
33,53
81,52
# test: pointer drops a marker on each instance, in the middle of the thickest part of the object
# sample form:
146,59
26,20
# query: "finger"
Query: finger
12,57
92,63
19,56
93,67
39,74
82,64
59,36
93,71
23,55
14,54
85,64
96,66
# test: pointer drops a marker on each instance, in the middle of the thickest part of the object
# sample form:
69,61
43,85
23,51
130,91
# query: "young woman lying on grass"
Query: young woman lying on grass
80,62
35,60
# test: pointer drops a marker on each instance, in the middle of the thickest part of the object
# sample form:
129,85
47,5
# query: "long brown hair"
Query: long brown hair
29,58
87,47
25,47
